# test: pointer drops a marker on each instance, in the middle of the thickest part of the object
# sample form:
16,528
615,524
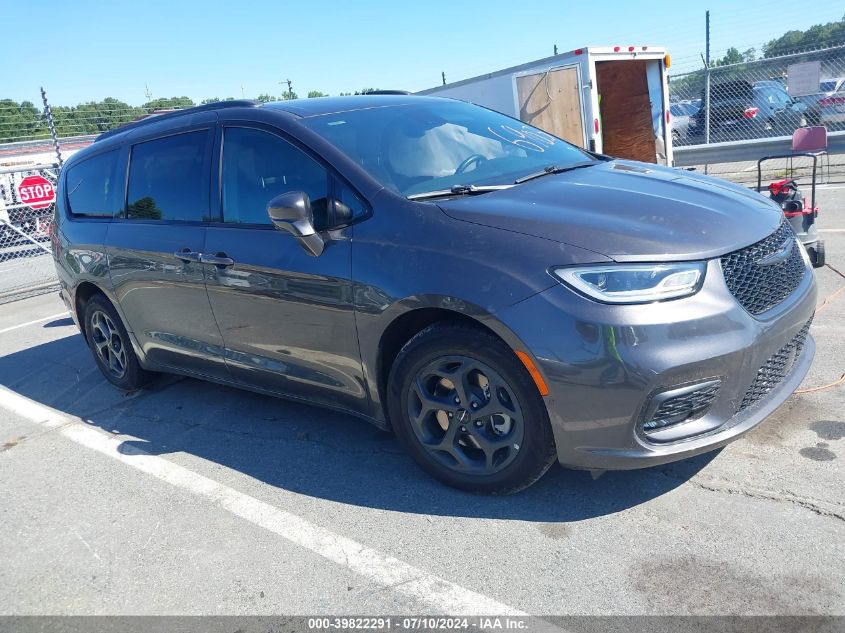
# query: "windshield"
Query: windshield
827,86
436,145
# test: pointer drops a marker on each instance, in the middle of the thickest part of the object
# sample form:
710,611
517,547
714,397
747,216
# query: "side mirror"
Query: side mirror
292,212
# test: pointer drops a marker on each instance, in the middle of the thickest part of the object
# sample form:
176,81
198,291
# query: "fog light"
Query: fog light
678,405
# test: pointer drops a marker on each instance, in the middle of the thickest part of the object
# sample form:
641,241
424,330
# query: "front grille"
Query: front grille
774,370
759,287
685,406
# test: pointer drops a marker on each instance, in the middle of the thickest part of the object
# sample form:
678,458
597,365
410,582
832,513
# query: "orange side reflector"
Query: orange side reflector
535,373
667,60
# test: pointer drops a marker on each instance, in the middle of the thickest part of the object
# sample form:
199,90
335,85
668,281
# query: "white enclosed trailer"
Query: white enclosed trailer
609,99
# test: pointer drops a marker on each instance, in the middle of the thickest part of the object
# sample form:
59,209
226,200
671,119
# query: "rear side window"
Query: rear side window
91,186
169,178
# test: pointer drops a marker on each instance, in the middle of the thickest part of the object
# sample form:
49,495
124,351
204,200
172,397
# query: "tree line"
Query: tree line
816,37
24,121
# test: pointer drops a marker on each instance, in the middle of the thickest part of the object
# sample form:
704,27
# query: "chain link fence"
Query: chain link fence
26,212
764,98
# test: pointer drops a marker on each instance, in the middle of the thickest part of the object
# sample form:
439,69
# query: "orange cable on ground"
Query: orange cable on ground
828,298
828,386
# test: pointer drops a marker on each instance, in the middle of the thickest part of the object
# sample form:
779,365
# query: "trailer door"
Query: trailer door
551,101
631,109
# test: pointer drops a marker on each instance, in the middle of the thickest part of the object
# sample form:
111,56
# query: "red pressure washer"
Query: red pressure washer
801,217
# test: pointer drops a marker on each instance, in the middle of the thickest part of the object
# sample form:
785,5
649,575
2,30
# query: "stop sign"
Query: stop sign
36,192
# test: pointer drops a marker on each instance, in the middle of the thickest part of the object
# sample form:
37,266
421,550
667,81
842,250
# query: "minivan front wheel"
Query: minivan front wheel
110,345
468,411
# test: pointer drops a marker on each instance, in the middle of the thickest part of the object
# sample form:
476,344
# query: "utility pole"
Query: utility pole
443,75
555,49
148,93
707,80
289,93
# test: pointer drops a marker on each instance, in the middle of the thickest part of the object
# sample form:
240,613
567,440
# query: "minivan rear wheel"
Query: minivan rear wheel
111,347
468,412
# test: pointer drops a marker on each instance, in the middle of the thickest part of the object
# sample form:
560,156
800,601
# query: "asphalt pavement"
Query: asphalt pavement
192,498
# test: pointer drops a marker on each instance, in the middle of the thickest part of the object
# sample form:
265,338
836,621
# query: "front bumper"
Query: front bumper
604,363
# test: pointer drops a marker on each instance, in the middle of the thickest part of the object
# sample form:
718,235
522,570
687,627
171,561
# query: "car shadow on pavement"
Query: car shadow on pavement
59,322
305,449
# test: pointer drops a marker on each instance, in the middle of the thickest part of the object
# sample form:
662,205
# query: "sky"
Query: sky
84,50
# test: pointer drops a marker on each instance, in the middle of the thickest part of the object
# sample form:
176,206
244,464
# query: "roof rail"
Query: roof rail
153,118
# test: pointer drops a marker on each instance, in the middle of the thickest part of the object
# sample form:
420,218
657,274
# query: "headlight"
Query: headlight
634,283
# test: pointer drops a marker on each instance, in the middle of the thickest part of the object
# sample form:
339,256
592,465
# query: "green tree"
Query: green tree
20,121
316,93
732,56
818,36
167,104
144,208
265,98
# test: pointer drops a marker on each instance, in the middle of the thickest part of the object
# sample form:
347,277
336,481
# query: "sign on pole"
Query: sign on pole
36,192
803,78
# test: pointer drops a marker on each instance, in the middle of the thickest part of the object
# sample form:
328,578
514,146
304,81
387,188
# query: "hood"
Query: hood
628,211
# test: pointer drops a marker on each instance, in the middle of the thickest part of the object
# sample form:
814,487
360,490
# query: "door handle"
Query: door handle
187,255
218,260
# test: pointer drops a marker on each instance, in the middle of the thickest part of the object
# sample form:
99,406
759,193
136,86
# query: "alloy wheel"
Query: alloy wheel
110,346
466,415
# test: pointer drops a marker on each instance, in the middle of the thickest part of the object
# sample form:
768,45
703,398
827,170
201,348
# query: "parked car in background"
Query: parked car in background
496,296
775,91
682,116
740,110
827,87
832,103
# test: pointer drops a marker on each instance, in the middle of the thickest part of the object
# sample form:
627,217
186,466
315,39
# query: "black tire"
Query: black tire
115,356
521,464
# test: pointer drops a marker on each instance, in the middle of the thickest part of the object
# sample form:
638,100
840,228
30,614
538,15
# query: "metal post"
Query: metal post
48,114
555,49
707,80
443,74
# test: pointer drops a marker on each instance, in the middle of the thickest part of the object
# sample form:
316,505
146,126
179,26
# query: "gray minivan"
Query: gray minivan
496,296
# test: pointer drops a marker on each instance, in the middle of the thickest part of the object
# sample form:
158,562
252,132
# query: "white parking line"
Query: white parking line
392,573
15,327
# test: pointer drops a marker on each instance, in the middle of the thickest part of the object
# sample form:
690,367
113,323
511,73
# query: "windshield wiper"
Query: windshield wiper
552,169
458,190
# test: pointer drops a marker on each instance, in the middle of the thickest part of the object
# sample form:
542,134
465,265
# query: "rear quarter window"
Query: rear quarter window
169,178
92,186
